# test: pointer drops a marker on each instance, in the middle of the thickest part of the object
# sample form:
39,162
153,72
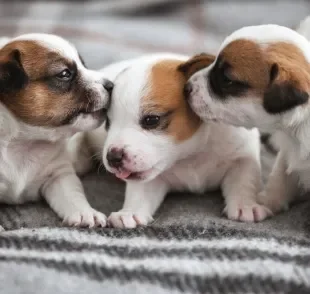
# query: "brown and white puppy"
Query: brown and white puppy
46,96
261,78
157,144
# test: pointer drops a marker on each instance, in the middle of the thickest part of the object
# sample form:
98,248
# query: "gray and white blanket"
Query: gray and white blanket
190,248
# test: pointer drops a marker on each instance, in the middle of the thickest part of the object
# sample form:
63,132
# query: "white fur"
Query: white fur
291,173
304,28
4,41
216,156
34,160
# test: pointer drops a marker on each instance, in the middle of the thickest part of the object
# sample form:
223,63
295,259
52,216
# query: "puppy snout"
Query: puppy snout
108,85
115,157
188,88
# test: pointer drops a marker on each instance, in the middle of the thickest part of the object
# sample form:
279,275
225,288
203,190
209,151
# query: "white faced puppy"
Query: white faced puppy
46,95
261,78
157,144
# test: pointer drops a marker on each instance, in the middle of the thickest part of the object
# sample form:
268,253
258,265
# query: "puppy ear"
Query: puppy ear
195,64
12,74
285,91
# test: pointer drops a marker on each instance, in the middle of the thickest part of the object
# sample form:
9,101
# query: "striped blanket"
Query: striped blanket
190,247
152,260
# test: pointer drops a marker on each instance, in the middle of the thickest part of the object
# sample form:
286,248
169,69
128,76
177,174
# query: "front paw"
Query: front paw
128,219
250,212
86,218
275,204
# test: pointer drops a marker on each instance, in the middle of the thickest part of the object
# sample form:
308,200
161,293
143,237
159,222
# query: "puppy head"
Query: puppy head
44,83
149,121
260,78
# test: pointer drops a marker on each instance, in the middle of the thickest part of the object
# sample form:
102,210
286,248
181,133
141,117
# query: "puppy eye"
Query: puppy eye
150,122
227,79
64,75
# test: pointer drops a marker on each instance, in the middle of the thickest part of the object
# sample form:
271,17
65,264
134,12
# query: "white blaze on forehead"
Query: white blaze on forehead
266,34
128,91
133,83
52,42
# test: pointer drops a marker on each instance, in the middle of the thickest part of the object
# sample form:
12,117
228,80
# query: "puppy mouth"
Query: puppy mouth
95,113
125,174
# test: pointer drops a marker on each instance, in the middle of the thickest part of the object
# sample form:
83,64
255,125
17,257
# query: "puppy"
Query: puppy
46,96
261,78
157,144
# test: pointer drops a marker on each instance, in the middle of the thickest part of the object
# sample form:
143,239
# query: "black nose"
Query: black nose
108,85
187,90
115,157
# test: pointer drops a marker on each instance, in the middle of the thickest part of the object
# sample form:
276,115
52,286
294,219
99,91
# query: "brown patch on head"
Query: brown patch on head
165,98
292,64
195,64
30,89
290,85
246,62
276,75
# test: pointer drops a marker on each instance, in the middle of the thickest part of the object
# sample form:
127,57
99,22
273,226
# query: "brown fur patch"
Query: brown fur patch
293,66
40,101
252,64
166,95
35,58
247,63
195,64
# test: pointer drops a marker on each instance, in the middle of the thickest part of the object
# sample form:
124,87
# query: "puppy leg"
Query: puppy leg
64,193
240,188
80,153
281,187
86,147
141,202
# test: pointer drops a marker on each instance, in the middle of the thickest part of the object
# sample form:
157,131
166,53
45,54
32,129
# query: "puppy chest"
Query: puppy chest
21,173
198,175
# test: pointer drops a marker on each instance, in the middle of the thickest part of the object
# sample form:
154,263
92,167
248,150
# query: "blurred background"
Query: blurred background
109,30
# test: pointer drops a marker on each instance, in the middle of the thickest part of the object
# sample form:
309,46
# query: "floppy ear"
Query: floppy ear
12,74
286,90
195,64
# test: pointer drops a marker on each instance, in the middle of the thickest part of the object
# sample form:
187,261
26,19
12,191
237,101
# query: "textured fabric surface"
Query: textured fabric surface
190,247
214,259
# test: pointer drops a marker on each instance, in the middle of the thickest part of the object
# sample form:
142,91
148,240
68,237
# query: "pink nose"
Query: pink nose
115,157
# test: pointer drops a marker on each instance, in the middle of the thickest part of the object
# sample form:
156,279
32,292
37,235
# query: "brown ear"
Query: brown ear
12,74
195,64
287,89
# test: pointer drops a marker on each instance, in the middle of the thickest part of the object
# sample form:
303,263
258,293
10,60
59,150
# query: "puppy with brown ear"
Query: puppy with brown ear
46,96
156,144
261,78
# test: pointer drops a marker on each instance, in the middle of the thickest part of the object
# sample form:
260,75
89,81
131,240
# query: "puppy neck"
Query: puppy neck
197,143
13,130
296,131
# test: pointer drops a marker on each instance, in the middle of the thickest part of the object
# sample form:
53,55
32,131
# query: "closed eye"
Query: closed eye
224,84
227,78
229,81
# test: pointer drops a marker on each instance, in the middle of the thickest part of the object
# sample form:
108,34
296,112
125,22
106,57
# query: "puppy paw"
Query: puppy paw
86,218
275,204
128,219
253,212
